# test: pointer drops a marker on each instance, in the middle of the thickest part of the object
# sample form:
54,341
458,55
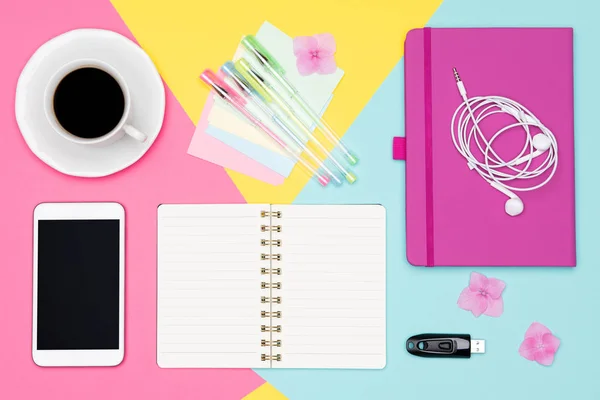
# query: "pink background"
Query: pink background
166,174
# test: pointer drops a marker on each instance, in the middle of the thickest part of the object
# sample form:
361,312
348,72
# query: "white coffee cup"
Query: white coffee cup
120,130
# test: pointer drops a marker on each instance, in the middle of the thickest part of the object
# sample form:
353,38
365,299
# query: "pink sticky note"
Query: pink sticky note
212,150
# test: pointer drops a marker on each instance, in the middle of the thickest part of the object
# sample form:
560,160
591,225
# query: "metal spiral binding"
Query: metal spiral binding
265,343
270,228
272,300
270,328
269,285
270,271
266,357
270,314
270,242
265,242
275,214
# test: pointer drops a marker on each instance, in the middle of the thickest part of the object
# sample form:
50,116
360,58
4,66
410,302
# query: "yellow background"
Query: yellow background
266,391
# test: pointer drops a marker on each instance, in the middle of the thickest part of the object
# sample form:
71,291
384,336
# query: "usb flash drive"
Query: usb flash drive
444,345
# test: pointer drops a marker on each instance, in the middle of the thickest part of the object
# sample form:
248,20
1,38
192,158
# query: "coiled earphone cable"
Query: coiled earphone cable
496,171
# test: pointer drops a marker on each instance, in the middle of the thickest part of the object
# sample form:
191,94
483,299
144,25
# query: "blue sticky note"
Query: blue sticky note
274,161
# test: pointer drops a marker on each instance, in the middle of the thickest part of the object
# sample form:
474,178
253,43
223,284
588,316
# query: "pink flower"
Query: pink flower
315,54
483,296
539,345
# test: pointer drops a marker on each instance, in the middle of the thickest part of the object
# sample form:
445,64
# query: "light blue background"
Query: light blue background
424,300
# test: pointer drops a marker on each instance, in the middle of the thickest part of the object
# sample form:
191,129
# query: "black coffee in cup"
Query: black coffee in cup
89,103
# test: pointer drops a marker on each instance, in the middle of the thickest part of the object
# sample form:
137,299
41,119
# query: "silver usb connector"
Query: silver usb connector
477,346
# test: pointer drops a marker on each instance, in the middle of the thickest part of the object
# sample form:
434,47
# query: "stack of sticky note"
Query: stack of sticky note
226,138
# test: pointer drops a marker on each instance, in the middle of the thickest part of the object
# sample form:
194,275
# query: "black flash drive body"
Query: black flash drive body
444,345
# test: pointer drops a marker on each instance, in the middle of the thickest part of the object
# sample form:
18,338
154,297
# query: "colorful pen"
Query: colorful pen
270,63
232,98
255,97
270,96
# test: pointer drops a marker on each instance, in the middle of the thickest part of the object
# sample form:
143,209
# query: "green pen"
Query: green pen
270,63
270,97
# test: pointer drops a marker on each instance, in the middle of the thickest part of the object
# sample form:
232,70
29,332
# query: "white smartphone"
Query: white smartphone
78,284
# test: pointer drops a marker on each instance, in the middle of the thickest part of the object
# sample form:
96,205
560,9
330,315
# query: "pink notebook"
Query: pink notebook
453,217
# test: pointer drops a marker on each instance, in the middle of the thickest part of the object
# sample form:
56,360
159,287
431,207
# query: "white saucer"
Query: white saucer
147,102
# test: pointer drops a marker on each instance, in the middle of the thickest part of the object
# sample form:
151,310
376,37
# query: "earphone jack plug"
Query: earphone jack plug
460,85
456,75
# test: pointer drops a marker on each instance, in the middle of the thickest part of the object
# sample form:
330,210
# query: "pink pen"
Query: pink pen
235,100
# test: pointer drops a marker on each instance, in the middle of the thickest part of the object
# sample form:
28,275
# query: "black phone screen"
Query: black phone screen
78,285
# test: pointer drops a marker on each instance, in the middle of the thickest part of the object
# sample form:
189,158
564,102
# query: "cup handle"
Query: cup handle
134,133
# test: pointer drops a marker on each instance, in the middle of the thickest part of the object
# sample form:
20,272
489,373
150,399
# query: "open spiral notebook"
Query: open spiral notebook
271,286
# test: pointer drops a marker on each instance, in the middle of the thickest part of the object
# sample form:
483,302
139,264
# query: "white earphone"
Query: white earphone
489,165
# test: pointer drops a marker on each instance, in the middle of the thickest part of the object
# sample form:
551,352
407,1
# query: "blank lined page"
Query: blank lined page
333,261
209,286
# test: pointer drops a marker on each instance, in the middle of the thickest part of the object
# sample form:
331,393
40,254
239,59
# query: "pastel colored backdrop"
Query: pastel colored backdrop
419,300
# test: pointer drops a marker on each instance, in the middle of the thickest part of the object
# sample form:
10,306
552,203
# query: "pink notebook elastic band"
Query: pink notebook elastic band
428,146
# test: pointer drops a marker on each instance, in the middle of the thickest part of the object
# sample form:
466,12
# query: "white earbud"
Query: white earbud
541,144
514,205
